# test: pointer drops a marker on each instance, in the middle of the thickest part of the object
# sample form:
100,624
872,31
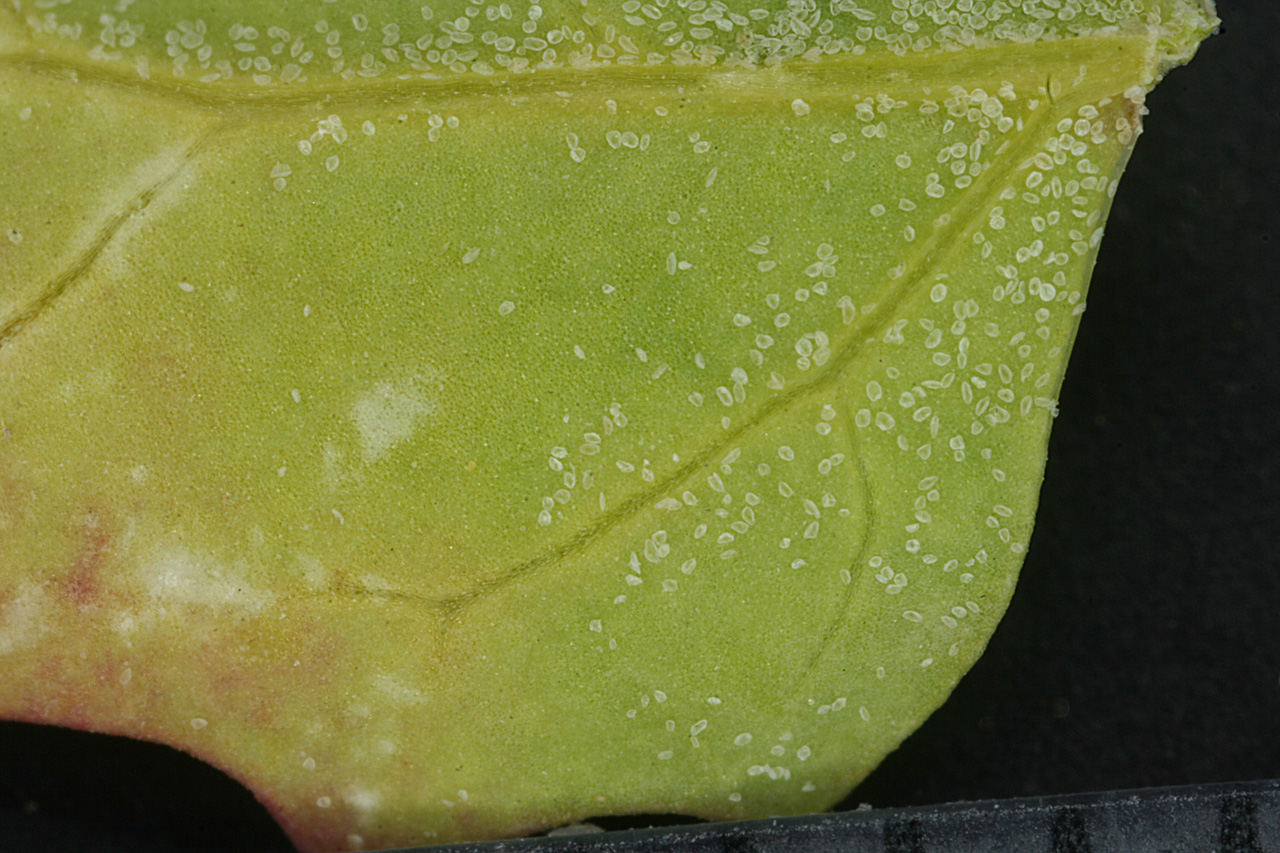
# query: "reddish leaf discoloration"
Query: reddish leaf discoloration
83,585
259,679
63,698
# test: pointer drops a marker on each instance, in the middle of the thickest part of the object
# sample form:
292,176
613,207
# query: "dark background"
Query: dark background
1143,645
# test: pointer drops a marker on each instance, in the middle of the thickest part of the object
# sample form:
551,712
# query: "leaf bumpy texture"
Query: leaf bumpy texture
456,420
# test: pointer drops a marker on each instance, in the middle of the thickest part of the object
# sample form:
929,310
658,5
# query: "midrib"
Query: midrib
1095,66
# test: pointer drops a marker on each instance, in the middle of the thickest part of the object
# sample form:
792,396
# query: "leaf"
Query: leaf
458,420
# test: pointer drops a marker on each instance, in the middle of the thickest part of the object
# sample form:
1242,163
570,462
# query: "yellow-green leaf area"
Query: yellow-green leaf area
459,420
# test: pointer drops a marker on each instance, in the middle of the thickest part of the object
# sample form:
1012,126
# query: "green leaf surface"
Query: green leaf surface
459,420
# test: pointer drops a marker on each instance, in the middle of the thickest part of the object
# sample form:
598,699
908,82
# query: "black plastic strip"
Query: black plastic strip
1231,818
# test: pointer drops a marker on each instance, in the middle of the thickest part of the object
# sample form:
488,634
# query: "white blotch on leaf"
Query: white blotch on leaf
179,576
390,412
22,619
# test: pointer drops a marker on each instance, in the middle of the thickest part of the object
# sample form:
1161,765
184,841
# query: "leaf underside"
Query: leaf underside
458,420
